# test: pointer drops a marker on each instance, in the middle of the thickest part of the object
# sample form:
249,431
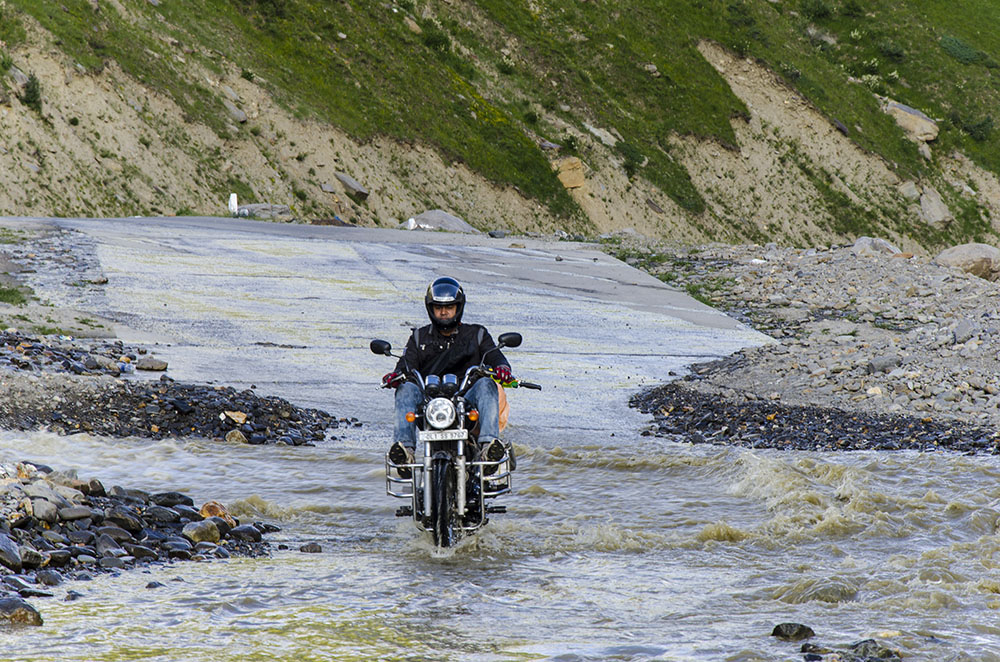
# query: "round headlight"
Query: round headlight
440,413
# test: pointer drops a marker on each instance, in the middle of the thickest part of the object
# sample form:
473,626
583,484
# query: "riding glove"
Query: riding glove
502,373
392,379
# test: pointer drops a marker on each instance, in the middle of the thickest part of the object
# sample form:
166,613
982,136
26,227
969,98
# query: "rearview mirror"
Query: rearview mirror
381,347
509,340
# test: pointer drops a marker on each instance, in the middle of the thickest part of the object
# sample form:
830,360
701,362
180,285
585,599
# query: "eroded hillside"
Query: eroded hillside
100,141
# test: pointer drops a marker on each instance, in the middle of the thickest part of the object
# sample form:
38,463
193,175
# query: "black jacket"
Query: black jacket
431,353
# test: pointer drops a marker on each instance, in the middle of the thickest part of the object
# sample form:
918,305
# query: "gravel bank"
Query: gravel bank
872,350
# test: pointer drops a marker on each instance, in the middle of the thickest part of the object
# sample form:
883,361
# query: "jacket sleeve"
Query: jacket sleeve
496,357
411,356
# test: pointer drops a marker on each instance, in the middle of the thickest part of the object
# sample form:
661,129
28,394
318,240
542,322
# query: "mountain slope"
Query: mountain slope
167,107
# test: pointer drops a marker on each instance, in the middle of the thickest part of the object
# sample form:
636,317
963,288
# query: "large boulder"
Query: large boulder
265,211
933,209
980,260
438,219
870,246
916,125
352,186
570,172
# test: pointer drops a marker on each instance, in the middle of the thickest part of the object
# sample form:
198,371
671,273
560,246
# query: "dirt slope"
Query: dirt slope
105,145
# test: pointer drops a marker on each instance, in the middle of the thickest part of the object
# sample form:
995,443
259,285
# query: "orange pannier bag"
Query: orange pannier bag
504,407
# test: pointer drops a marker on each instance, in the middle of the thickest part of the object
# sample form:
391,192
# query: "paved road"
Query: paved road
291,309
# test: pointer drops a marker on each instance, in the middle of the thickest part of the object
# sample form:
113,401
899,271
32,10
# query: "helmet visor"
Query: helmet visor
444,291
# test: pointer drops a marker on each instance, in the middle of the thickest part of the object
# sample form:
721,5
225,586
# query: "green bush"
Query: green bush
32,96
816,9
980,130
852,9
891,50
633,158
6,62
961,51
12,295
738,14
436,39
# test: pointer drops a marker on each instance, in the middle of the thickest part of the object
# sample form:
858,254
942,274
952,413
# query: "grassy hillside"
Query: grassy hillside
485,82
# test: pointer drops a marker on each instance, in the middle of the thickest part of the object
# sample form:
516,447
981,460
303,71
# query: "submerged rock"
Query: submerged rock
18,612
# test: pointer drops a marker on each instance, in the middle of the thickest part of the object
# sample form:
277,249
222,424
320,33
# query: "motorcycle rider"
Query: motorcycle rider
447,346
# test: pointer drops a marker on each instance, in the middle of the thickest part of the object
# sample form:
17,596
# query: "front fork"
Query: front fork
461,473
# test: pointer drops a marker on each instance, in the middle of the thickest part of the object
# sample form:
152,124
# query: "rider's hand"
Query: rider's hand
502,373
392,379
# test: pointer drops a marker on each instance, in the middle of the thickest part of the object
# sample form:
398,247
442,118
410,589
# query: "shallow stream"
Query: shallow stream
617,546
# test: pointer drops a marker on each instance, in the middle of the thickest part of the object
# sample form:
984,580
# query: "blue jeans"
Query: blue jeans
483,396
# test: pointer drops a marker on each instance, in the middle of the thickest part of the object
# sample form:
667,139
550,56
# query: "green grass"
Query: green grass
12,295
359,66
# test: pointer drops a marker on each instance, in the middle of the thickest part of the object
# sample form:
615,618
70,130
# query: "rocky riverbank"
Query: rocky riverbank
873,349
55,527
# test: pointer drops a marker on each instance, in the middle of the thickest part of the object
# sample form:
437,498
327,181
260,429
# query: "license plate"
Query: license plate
442,435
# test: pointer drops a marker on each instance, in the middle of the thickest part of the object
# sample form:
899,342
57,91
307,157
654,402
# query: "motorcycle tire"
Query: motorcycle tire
443,507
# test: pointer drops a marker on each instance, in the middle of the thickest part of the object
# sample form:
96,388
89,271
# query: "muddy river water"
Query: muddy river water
617,546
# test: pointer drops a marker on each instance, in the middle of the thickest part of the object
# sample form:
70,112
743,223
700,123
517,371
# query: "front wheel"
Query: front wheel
443,504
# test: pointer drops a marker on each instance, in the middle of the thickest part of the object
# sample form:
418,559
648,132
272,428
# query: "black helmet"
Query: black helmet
442,292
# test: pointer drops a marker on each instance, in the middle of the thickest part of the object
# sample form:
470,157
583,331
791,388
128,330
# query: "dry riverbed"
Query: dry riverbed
873,350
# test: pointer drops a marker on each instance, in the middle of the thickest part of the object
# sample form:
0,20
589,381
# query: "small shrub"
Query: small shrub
247,74
891,50
506,66
32,96
436,39
531,117
738,14
74,121
980,130
12,295
816,10
633,158
870,66
789,71
961,51
6,62
852,9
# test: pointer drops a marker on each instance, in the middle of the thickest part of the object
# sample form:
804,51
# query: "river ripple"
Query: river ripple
641,550
616,547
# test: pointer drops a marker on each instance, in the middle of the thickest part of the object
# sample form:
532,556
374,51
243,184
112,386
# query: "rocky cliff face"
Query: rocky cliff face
103,144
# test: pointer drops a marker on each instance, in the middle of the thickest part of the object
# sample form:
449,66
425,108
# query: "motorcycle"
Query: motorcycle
449,485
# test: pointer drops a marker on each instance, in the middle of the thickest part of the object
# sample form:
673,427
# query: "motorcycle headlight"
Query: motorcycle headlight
440,413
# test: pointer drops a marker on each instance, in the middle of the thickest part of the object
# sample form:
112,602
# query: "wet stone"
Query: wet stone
32,550
18,612
74,513
161,514
48,577
169,499
246,533
198,532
